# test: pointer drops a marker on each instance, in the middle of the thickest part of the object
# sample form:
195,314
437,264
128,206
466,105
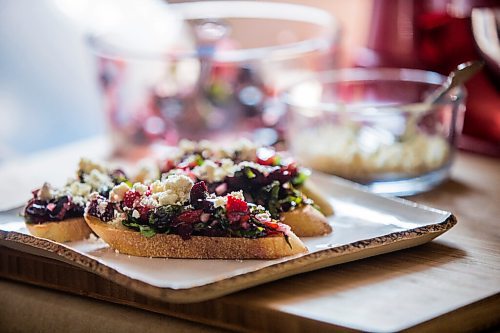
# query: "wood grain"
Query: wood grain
451,284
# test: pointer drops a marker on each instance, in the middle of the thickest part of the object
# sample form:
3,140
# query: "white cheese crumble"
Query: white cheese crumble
247,150
187,146
141,188
219,201
212,172
97,180
117,193
264,169
172,190
244,148
237,195
86,166
146,173
94,179
151,201
80,189
136,214
263,217
101,206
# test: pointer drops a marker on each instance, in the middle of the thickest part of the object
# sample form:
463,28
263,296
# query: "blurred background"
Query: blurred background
49,92
51,84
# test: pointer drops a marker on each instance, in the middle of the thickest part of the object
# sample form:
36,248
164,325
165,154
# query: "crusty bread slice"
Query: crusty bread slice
306,221
197,247
312,192
69,230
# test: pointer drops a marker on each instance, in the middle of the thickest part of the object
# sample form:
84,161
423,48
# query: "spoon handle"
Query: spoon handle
459,76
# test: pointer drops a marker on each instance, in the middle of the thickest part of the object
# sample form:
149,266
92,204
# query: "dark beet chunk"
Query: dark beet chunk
199,193
185,230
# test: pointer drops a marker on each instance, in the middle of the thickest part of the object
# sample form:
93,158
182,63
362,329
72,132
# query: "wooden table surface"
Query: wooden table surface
452,283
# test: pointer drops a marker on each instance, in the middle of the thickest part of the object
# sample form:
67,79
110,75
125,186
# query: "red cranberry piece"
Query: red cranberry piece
236,205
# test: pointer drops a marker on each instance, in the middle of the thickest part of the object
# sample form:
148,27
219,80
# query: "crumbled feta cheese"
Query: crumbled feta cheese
219,202
140,188
246,149
180,185
174,172
45,192
98,180
78,200
86,166
168,198
264,169
101,206
136,214
212,172
80,189
187,146
237,195
147,171
263,217
157,186
93,196
117,193
151,201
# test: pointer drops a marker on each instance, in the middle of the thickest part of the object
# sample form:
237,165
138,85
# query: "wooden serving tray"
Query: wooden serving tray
364,225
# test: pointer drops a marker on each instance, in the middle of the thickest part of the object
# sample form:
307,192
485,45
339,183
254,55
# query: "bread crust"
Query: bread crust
314,194
306,221
68,230
197,247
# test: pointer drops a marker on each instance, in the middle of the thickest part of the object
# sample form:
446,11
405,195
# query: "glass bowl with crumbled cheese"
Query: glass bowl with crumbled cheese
364,125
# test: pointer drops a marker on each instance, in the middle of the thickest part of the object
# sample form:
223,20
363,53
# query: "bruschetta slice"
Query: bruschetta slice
57,213
176,218
266,177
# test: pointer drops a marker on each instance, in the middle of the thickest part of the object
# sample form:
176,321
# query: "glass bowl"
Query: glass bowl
218,82
359,124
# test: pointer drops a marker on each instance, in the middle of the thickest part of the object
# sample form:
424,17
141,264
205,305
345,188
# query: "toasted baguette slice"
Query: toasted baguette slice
69,230
131,242
306,221
312,192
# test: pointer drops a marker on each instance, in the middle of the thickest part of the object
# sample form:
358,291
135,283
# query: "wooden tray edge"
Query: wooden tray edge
328,257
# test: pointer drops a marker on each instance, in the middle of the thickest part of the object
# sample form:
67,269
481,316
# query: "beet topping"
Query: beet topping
199,218
102,209
40,211
198,195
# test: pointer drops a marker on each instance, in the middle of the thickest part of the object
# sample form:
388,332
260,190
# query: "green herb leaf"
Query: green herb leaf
249,173
199,160
301,177
147,231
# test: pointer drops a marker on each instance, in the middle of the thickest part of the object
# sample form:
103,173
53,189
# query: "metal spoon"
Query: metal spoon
456,78
369,137
459,76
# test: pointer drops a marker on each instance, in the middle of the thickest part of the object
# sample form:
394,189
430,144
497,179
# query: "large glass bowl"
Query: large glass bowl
220,85
363,125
